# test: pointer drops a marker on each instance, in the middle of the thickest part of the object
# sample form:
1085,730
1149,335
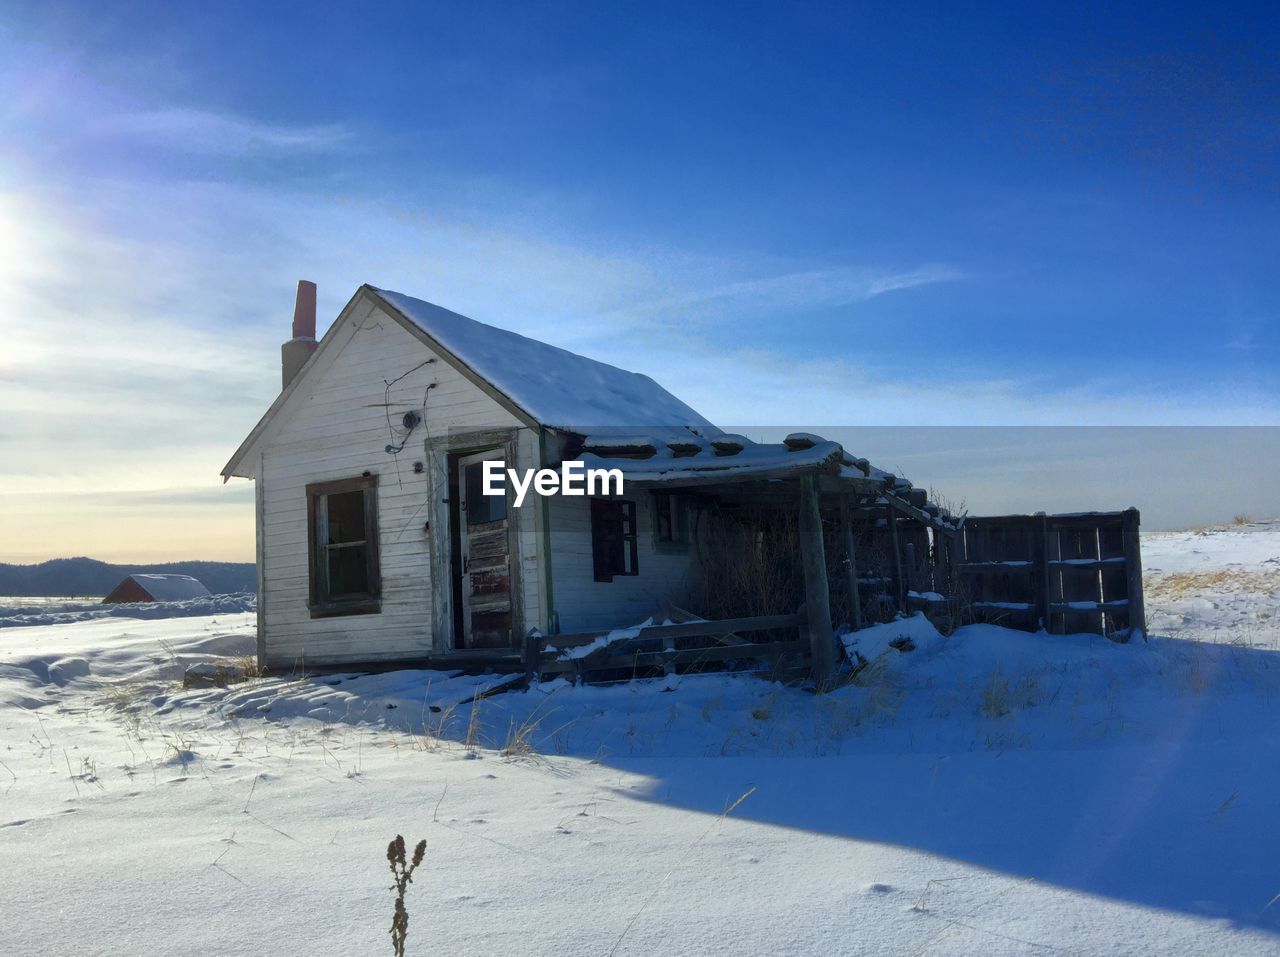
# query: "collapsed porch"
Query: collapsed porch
863,546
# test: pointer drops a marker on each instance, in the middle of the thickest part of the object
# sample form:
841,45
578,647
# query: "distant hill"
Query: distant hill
90,577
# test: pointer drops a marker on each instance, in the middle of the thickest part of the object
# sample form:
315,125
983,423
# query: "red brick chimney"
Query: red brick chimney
295,353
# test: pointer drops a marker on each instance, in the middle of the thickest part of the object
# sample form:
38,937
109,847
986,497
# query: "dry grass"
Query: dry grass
519,743
873,673
1199,678
248,666
881,703
1180,585
227,671
1000,696
473,742
128,698
995,696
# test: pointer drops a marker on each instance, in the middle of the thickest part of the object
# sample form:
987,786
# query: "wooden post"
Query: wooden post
946,543
663,614
1133,569
1094,540
532,657
953,590
895,567
851,563
1042,576
817,599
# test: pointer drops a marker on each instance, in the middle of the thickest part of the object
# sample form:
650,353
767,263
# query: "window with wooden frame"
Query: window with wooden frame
670,522
613,538
342,523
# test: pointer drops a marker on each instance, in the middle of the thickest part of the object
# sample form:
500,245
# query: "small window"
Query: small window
670,522
613,538
482,508
343,536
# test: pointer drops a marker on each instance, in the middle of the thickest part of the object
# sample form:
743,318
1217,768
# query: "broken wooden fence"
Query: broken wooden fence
1066,573
781,650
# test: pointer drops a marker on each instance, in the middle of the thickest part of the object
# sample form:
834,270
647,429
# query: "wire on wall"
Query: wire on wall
409,420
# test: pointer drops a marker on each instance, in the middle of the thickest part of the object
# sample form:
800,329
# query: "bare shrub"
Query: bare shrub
875,562
749,564
958,508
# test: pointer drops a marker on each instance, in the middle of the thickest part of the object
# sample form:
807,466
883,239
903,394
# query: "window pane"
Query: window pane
348,571
343,546
613,538
482,508
346,517
662,510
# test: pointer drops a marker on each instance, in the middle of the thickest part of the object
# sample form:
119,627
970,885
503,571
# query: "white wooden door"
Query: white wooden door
485,556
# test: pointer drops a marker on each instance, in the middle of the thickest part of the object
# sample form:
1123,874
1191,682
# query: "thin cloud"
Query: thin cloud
734,386
224,134
803,290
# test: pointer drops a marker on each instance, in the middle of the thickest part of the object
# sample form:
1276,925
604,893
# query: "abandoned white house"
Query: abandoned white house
375,542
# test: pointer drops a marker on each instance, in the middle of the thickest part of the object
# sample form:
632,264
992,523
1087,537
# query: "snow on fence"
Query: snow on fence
1066,573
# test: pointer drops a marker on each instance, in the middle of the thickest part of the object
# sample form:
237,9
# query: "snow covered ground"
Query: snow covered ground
19,612
991,793
1216,584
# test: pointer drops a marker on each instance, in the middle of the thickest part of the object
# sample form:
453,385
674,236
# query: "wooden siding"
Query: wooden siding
527,561
583,603
335,427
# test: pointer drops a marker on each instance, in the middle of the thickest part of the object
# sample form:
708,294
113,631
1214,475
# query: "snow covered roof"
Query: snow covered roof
670,461
557,388
171,587
679,457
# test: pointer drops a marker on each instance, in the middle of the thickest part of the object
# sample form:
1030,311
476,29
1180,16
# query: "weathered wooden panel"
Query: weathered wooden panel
1073,573
487,541
491,628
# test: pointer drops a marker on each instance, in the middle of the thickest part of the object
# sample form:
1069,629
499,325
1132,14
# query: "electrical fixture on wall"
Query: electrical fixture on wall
408,422
411,419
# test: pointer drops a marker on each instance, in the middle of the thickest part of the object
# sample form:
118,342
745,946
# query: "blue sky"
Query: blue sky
800,214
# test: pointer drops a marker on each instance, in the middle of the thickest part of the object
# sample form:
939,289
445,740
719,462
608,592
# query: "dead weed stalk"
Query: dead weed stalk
402,874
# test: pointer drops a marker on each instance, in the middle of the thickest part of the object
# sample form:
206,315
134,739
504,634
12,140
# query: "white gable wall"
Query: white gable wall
335,427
